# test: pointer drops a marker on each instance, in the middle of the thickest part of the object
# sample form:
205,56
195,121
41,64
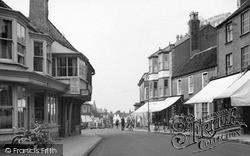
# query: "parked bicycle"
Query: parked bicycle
40,138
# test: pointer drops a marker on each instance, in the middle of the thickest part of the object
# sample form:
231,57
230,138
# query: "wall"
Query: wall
233,47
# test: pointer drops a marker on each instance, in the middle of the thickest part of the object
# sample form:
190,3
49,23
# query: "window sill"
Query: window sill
245,34
229,42
10,62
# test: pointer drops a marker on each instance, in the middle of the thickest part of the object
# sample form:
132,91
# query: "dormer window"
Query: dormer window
5,39
21,44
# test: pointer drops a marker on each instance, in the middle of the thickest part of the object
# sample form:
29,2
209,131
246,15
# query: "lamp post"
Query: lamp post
148,105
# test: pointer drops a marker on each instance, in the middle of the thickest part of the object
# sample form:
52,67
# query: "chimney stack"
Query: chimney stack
194,26
38,14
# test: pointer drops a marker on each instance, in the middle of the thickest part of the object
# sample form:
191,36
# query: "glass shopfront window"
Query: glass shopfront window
6,107
51,101
21,106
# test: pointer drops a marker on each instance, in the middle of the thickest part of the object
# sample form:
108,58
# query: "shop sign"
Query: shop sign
74,86
208,132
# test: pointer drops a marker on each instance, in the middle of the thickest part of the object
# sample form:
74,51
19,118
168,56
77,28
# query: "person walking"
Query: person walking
122,124
117,123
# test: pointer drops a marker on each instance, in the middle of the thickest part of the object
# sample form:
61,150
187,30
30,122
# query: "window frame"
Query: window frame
38,56
229,66
245,22
165,86
229,32
190,85
203,81
8,40
21,43
248,57
7,106
178,89
204,109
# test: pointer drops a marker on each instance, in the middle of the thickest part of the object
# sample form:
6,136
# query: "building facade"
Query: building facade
34,87
234,55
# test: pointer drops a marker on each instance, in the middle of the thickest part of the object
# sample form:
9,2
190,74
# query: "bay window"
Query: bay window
5,39
20,44
38,56
49,59
64,66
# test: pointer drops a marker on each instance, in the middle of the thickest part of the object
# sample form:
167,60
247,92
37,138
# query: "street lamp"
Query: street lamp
148,104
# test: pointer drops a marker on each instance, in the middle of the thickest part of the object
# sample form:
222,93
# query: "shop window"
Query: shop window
39,107
21,106
6,107
5,39
204,109
51,101
38,56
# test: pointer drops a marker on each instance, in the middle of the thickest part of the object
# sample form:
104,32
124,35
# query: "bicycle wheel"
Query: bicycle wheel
16,139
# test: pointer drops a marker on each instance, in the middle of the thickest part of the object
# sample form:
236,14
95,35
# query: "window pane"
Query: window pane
38,48
5,29
5,118
38,64
61,67
5,49
53,67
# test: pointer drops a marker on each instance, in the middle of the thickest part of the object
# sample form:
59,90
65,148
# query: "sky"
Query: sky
117,36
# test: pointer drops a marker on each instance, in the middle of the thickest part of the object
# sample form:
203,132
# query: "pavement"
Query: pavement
79,145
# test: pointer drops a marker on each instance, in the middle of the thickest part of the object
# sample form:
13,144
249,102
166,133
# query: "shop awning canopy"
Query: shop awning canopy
164,104
239,91
213,89
86,118
157,106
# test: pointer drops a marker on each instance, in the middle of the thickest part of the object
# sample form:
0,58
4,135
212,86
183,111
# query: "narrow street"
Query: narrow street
125,143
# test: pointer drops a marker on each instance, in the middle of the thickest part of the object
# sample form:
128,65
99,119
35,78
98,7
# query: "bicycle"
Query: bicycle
40,138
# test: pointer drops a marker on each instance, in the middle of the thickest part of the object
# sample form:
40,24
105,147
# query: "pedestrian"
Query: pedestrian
117,123
122,124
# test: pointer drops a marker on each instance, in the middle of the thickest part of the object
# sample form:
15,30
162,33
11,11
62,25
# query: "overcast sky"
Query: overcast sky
118,35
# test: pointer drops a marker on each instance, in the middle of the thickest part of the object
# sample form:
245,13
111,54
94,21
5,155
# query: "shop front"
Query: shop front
27,98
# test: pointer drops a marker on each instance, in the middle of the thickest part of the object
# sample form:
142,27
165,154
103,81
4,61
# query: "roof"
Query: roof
4,5
238,11
200,61
58,36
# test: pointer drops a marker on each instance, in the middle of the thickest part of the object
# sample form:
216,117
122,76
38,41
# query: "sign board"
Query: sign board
74,85
84,92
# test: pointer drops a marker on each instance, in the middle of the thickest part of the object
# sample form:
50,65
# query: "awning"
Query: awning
213,89
156,106
86,118
164,104
239,91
